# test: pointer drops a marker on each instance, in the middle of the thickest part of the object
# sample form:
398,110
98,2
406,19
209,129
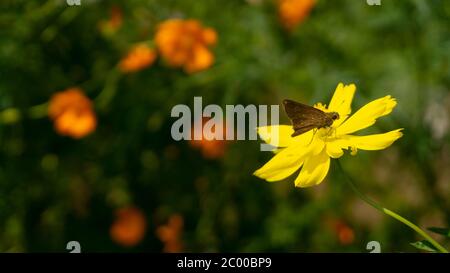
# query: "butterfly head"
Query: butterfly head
334,115
331,117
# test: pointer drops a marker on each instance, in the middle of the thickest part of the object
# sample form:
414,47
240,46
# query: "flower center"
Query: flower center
327,133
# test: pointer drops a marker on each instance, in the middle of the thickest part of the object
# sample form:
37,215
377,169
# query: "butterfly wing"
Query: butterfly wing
303,117
303,129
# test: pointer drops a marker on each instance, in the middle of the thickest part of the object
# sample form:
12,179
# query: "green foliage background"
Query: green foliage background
55,189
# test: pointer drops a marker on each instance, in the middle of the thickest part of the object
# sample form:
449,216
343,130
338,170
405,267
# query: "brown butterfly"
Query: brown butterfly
305,118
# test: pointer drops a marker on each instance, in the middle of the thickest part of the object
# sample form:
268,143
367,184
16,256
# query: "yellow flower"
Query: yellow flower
312,150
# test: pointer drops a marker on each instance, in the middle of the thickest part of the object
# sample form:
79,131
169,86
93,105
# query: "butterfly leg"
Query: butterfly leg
329,130
314,133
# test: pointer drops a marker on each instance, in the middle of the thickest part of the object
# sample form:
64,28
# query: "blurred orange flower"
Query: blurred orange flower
184,43
170,234
210,149
72,113
344,233
293,12
138,58
129,227
113,23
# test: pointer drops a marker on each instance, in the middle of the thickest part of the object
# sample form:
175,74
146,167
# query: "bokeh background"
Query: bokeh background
128,187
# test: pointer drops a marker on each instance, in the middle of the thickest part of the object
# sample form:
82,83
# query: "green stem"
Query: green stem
416,229
109,90
38,111
391,213
13,115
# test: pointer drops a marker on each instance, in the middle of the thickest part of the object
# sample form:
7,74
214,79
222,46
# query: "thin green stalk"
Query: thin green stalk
13,115
109,90
390,212
38,111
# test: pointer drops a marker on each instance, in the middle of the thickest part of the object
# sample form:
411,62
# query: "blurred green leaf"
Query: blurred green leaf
442,231
424,245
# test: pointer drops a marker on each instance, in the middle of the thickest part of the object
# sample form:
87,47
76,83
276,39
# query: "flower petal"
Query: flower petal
341,102
276,135
334,149
367,115
314,170
283,164
287,160
374,142
201,59
209,36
